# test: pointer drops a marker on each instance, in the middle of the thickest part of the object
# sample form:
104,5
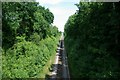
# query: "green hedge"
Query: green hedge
26,59
92,41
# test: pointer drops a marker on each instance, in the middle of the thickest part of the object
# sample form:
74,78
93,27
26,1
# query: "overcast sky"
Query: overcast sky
61,9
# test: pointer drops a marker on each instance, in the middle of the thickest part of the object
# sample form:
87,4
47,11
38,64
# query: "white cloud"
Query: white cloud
52,2
61,16
49,1
72,1
61,9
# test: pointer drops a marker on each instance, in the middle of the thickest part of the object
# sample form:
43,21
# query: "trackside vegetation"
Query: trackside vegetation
29,39
92,41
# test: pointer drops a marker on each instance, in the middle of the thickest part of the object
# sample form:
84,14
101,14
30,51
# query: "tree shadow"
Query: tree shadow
54,69
57,68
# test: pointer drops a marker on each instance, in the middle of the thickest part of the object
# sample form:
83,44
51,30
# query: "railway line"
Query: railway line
60,70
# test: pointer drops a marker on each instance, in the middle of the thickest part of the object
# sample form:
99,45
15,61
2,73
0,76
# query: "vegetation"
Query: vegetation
92,41
29,39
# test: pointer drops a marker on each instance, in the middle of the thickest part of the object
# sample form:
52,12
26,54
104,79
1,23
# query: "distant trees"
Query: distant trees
92,41
29,39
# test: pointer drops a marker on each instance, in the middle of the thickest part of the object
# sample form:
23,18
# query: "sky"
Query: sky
61,9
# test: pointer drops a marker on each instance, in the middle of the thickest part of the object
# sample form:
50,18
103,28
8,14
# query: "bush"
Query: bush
91,48
26,59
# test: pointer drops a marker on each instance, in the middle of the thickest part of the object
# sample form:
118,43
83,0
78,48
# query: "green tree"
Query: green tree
29,39
94,35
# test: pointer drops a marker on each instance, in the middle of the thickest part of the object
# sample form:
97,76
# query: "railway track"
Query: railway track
60,70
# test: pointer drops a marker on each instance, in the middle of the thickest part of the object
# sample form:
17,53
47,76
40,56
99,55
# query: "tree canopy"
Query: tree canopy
29,39
92,40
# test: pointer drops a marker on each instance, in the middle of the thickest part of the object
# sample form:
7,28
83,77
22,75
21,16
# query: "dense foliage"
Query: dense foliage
92,41
29,39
